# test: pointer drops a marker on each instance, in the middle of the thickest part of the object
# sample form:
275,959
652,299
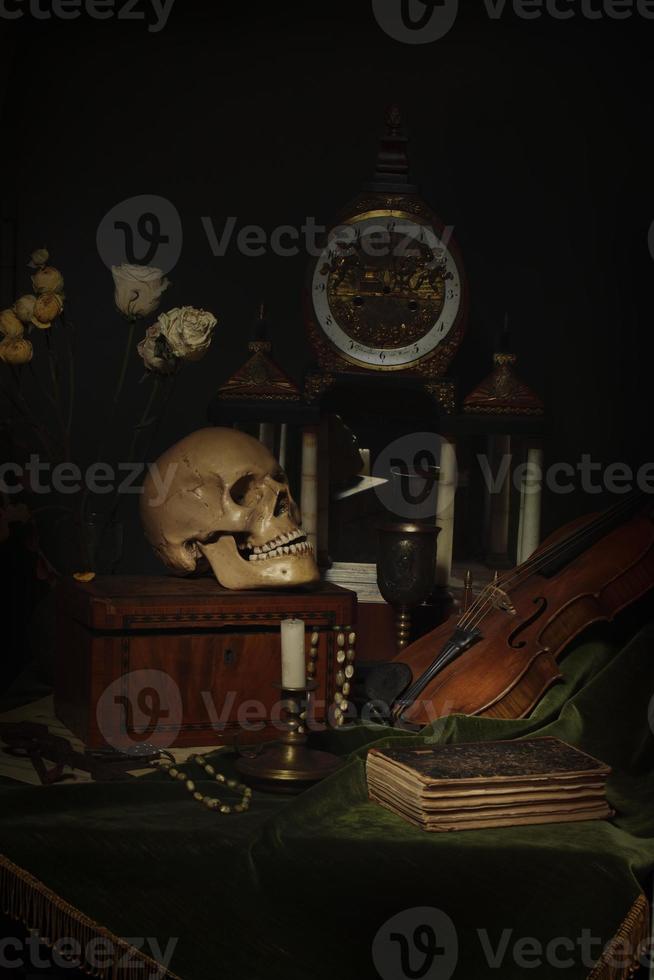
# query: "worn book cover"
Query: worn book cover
526,761
489,784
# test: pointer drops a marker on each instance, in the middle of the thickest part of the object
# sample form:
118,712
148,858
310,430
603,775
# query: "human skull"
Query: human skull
220,495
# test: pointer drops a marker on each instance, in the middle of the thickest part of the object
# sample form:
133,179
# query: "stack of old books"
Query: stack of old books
489,784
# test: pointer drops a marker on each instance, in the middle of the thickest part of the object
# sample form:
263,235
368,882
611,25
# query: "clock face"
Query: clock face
386,290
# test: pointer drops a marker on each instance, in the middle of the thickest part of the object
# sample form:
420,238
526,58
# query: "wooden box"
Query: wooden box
179,662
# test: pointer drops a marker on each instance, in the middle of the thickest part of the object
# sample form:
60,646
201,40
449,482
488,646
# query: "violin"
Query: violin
500,656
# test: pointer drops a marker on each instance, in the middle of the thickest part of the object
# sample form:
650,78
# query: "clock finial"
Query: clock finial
261,325
392,170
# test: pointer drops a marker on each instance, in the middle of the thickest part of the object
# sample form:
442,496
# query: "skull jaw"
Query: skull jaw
234,572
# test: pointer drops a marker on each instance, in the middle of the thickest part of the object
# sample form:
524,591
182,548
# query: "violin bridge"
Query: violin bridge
500,600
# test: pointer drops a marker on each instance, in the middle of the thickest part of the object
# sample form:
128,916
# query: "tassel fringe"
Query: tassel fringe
621,957
25,899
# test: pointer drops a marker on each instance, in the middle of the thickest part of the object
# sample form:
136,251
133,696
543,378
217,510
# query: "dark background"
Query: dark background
533,138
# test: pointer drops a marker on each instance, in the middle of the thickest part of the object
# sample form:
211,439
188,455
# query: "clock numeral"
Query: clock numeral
382,356
320,288
328,321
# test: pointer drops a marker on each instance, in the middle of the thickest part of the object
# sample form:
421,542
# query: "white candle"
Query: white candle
293,657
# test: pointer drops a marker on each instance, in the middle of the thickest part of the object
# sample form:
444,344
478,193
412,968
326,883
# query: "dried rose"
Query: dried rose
38,258
48,280
47,308
138,289
16,350
156,353
188,331
24,308
10,325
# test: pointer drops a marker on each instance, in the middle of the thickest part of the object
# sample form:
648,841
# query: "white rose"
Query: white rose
138,289
188,331
156,353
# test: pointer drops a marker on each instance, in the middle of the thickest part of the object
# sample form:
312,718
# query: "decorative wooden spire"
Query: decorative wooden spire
260,378
392,169
502,392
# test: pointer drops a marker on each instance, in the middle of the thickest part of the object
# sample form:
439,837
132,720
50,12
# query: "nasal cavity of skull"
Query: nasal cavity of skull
281,504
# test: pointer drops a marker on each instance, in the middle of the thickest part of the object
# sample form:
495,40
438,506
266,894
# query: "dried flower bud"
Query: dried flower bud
48,280
10,325
47,308
38,258
16,350
24,308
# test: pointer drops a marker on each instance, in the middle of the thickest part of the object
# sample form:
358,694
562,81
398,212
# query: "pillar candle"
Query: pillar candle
293,656
445,494
530,504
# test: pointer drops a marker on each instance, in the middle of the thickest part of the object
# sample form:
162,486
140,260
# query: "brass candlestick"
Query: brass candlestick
289,766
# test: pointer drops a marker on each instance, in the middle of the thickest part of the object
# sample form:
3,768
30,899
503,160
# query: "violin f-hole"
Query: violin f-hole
539,601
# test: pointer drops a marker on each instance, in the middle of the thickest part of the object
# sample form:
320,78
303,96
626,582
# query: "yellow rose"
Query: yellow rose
48,280
39,257
47,307
16,350
24,308
10,325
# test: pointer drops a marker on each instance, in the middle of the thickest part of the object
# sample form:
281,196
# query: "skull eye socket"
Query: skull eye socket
246,490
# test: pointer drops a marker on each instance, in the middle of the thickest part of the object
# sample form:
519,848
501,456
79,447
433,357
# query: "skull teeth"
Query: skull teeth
290,543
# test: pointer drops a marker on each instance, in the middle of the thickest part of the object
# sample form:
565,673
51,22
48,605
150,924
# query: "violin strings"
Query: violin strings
484,602
479,608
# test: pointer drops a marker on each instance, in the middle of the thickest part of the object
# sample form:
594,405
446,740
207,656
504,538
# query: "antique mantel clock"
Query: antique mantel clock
387,292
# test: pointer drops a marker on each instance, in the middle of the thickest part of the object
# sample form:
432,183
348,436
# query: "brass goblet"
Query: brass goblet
406,567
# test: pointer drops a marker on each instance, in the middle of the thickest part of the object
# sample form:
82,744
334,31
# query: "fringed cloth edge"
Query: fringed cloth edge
25,899
621,957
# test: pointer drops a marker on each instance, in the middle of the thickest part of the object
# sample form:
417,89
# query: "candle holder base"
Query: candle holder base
284,768
289,766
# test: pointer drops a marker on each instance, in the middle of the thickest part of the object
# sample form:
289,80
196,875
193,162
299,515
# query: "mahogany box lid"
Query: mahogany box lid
115,602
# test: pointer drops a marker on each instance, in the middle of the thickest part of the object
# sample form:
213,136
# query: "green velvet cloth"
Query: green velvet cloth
298,888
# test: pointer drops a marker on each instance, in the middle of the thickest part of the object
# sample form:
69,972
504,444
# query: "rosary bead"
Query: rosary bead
231,784
247,791
225,809
190,785
181,776
198,796
220,778
210,770
172,771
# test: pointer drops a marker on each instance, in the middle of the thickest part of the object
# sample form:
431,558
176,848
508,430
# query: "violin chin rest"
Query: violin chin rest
386,682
